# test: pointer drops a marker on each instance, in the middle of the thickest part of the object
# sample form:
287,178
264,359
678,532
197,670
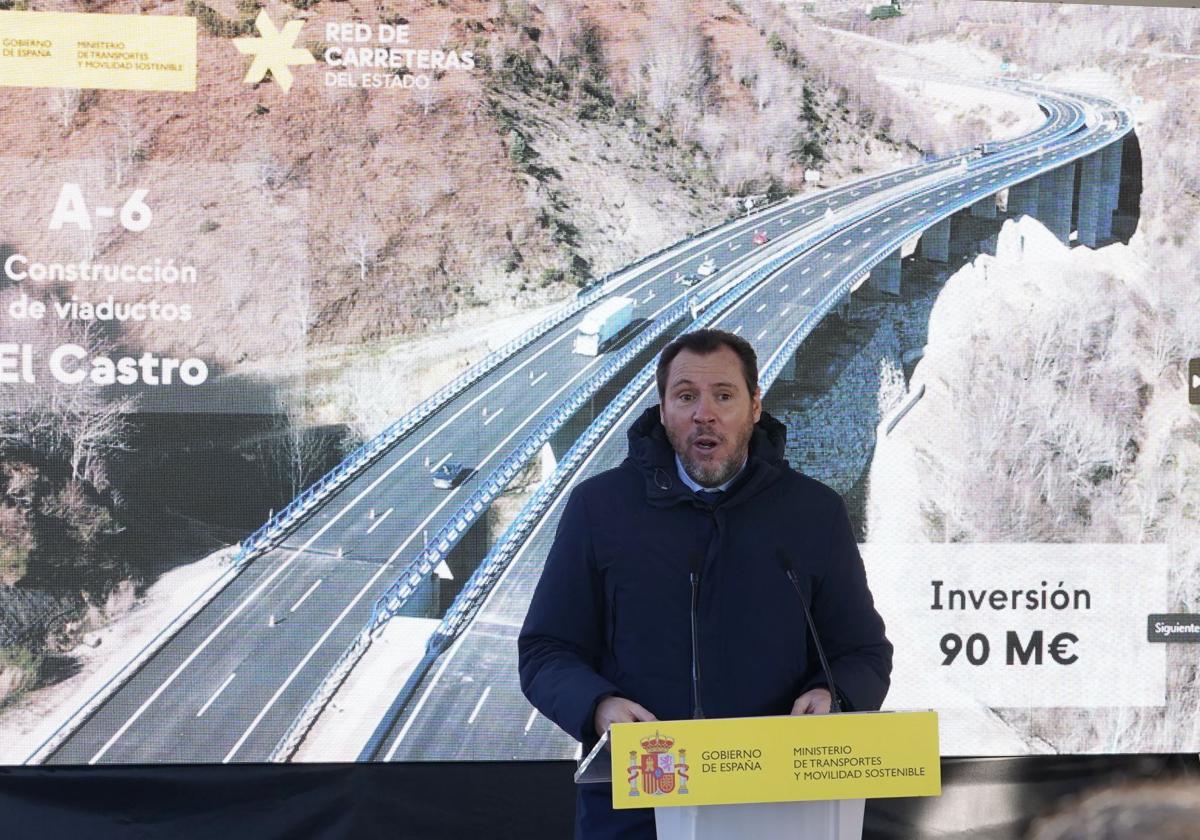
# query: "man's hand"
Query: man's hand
816,701
612,710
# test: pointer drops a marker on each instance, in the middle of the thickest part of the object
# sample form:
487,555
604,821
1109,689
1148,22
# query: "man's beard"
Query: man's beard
712,473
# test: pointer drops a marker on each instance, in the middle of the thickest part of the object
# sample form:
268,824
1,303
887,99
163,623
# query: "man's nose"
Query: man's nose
705,411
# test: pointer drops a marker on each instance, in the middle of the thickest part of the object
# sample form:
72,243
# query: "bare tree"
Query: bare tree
428,98
64,104
74,422
424,193
126,145
362,244
562,24
769,82
675,67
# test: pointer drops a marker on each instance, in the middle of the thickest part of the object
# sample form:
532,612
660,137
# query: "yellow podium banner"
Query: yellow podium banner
865,755
113,52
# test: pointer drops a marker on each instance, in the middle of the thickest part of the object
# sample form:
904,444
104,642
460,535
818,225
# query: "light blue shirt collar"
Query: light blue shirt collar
687,479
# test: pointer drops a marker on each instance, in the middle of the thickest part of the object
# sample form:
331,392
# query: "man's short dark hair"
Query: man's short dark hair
703,342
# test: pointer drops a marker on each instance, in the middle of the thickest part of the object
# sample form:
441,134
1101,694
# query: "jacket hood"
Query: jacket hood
651,453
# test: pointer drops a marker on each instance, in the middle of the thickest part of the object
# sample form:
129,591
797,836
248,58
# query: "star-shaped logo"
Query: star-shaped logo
273,51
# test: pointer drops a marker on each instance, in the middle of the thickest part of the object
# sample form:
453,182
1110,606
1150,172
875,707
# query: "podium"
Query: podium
804,777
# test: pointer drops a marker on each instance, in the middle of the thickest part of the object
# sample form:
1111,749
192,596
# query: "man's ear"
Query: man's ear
756,402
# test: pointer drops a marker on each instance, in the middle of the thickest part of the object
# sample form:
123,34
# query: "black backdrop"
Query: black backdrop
983,799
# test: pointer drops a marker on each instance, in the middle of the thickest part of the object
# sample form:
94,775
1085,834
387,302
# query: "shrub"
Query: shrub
216,24
19,669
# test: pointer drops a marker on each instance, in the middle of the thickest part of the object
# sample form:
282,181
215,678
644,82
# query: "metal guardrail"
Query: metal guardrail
438,548
780,357
497,561
280,523
492,566
290,516
309,498
481,581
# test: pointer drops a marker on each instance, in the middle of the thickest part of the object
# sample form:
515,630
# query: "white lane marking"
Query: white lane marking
783,222
761,307
734,246
304,597
216,694
493,416
828,254
538,378
940,203
826,274
925,200
479,705
806,291
384,566
809,210
738,328
379,519
445,458
760,335
648,297
866,230
888,219
847,241
532,718
784,287
806,270
785,311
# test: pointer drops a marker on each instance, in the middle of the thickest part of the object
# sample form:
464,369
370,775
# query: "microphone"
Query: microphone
835,704
694,576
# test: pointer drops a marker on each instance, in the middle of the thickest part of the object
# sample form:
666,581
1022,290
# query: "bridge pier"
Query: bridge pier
1023,198
885,276
935,242
960,235
984,208
1091,198
1110,174
1056,196
842,310
1045,206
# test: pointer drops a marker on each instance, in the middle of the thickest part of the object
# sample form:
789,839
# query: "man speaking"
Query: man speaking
703,503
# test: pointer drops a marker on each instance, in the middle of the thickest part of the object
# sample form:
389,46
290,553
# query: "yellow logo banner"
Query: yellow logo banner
865,755
113,52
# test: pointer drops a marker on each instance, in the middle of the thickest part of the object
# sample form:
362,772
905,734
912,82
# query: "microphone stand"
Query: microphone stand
697,709
835,705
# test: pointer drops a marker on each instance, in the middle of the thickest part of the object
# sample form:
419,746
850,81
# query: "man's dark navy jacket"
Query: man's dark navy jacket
611,613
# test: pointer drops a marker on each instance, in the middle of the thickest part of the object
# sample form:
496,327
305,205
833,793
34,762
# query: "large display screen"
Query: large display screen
313,314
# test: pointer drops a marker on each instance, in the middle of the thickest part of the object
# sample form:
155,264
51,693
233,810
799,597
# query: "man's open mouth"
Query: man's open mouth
706,444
